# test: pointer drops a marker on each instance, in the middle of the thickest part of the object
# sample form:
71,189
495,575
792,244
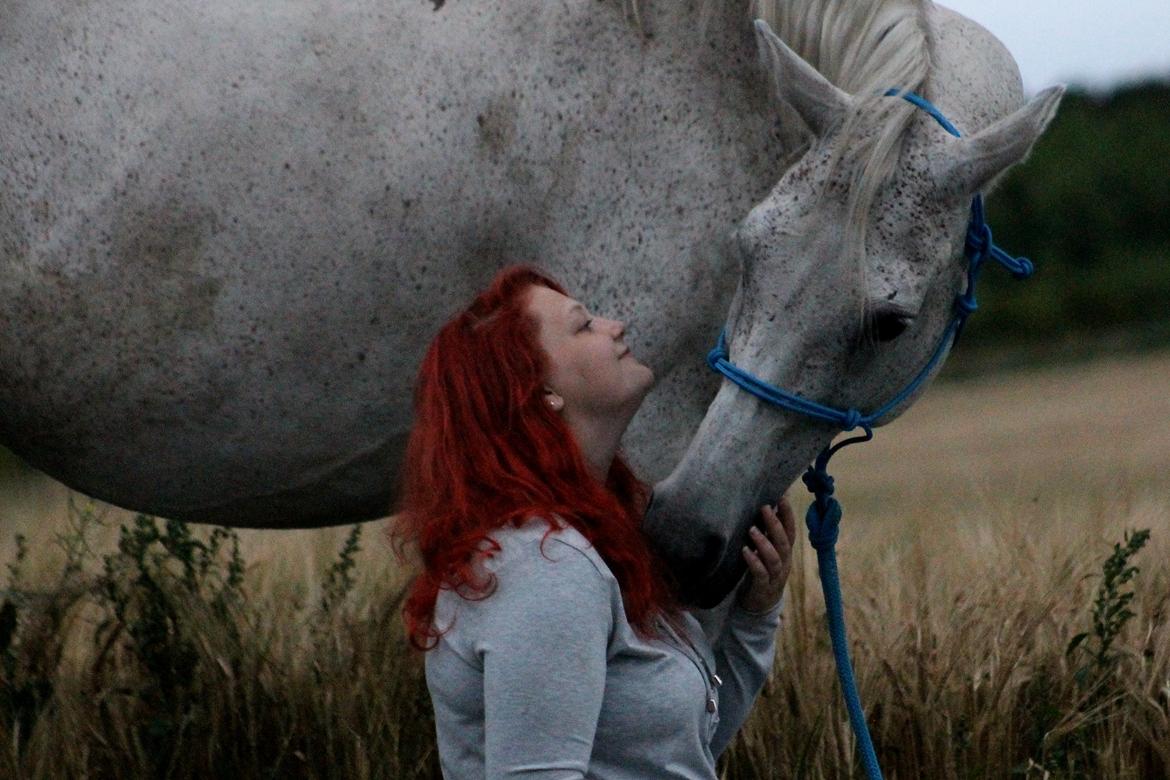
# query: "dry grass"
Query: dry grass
959,623
974,538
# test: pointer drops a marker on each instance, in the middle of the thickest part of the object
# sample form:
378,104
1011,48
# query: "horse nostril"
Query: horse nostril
889,325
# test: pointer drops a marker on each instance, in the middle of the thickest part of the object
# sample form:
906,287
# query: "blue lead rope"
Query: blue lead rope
823,518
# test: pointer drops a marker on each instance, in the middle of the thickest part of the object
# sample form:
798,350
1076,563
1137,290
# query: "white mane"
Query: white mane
865,48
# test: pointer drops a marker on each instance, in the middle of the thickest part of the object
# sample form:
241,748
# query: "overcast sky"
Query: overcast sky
1078,42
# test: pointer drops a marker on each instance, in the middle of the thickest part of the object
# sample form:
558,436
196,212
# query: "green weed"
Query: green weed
1067,737
1111,612
339,579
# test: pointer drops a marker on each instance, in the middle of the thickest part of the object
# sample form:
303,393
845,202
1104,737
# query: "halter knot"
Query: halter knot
823,526
717,353
979,241
851,420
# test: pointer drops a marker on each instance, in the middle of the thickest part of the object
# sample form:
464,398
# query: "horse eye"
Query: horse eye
889,324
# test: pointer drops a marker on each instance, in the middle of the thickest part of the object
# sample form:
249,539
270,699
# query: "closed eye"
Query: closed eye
887,324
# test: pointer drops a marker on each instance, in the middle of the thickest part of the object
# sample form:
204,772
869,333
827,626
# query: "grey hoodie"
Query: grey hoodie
544,678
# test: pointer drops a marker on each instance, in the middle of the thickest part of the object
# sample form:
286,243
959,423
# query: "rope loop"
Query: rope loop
823,527
1024,268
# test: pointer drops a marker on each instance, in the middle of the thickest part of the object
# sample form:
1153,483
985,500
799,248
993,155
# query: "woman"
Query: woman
554,645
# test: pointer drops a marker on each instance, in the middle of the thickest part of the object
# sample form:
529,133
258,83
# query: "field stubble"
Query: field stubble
976,530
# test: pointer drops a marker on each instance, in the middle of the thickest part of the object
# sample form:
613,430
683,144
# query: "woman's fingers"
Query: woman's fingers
765,549
754,564
769,562
777,532
773,546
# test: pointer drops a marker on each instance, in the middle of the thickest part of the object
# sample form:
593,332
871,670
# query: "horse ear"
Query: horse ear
819,103
979,158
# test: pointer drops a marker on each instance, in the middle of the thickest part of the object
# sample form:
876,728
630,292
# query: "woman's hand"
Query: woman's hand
771,560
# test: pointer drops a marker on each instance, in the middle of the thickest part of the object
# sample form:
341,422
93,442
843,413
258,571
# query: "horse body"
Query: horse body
229,233
226,235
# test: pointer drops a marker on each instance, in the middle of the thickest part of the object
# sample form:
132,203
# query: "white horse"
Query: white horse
227,232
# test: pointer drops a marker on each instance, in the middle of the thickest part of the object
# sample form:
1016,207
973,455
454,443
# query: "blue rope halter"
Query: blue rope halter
824,514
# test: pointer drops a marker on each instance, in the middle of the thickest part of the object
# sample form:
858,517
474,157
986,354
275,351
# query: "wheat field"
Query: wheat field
983,532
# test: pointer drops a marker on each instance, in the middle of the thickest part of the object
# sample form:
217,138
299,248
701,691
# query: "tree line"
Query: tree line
1090,208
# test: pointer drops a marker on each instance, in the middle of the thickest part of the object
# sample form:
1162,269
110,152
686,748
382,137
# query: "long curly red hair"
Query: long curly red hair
486,452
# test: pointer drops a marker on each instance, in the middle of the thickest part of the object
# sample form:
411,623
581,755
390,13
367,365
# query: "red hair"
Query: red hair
485,452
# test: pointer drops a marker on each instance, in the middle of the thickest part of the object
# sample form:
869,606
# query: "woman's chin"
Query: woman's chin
645,370
647,382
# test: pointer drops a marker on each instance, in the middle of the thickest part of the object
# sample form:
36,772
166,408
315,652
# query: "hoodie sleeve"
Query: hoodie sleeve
744,652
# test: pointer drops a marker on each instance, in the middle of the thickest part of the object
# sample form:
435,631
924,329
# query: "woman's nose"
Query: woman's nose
619,328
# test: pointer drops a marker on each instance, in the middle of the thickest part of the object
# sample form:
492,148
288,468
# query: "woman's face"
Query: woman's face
590,366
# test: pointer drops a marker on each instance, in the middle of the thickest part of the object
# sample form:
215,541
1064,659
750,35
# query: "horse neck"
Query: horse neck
974,80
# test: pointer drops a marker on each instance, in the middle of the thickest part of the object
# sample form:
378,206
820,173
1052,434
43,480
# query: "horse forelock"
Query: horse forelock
865,49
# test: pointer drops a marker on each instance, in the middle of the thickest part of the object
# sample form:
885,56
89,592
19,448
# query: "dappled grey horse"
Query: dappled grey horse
227,232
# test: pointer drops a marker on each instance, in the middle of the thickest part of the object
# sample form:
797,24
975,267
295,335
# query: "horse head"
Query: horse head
849,275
